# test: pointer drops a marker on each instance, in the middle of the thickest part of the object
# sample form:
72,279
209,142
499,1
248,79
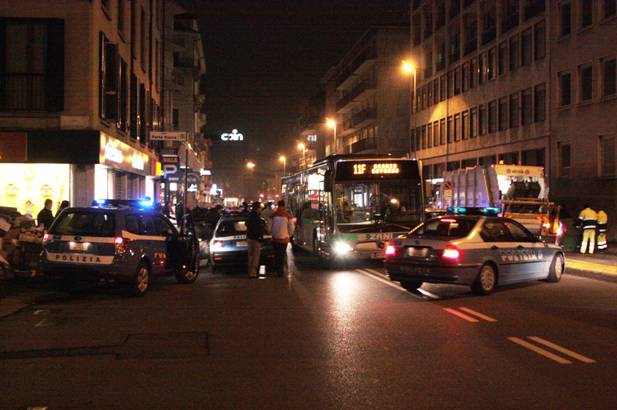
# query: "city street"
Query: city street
320,338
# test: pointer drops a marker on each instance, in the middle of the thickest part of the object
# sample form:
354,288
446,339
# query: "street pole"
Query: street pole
186,179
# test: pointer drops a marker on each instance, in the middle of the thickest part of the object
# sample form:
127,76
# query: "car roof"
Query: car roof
111,209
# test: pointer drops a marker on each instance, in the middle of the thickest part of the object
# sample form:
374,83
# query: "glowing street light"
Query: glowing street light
408,68
250,165
301,146
283,159
331,123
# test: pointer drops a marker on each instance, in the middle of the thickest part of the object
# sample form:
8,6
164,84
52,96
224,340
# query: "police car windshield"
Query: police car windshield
84,223
444,228
227,228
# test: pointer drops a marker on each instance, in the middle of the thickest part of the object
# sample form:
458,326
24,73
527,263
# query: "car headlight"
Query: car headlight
341,248
217,246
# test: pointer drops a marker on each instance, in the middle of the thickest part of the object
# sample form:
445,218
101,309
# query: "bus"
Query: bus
349,206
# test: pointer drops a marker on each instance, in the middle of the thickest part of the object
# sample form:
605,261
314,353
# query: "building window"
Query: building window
473,68
449,130
418,135
565,17
533,157
143,39
428,62
108,76
526,46
510,158
503,114
533,8
565,160
441,15
609,80
423,141
416,24
565,89
490,64
455,8
442,131
539,103
586,7
539,38
31,65
586,78
457,127
457,81
440,62
465,125
489,29
526,107
428,21
176,119
503,52
443,87
436,91
120,16
481,120
607,156
610,8
488,160
450,84
510,15
492,117
471,33
436,133
429,135
473,118
124,96
514,52
454,44
465,74
480,60
514,120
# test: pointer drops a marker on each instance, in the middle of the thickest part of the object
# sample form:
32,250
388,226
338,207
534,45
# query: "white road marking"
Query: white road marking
563,350
385,282
478,314
539,350
40,323
428,294
461,315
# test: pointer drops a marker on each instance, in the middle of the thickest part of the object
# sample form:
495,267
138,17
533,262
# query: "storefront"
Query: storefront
78,166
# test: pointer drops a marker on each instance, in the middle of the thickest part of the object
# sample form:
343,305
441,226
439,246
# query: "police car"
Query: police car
229,245
122,241
477,251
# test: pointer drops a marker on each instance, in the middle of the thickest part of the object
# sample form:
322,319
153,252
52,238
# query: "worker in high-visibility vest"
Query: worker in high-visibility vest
588,220
602,227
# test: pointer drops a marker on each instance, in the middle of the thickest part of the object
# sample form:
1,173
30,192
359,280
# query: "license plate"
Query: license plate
377,255
242,243
76,246
415,269
417,252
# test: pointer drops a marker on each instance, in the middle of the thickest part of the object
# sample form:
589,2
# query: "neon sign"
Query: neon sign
113,154
234,135
386,168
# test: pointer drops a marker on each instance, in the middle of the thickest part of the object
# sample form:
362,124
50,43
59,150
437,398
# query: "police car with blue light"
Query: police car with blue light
125,241
470,247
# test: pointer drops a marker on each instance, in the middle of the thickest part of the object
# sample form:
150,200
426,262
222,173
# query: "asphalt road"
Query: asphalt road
337,338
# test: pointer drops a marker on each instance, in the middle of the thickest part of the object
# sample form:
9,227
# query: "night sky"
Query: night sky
265,58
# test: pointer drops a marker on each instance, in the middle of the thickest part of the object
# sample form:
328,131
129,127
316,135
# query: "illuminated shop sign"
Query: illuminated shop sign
311,138
234,135
118,155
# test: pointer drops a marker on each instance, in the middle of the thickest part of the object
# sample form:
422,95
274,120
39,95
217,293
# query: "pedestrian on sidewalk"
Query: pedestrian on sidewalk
255,230
266,214
282,230
588,221
602,227
45,216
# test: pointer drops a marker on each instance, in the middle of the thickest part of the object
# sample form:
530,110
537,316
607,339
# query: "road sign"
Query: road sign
170,160
168,136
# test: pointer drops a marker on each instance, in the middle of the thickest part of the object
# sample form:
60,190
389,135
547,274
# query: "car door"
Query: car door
500,248
529,251
177,248
155,248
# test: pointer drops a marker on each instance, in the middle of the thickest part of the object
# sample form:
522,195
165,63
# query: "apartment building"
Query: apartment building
583,105
371,97
481,81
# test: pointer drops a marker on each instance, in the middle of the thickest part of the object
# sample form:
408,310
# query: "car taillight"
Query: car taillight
217,246
46,237
120,243
451,253
390,250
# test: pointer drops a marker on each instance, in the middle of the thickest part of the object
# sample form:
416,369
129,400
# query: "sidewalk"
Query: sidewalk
601,264
16,295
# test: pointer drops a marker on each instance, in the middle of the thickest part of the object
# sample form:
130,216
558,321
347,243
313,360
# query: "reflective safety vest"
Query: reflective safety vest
602,221
588,218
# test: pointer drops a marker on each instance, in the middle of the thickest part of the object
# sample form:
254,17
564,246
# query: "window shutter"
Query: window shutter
55,66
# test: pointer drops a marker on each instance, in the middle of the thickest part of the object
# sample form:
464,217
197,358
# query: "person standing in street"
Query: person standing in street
266,214
45,216
63,204
255,230
282,230
602,227
588,220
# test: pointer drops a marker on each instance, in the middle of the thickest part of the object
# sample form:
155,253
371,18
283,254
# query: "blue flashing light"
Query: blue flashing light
491,211
100,202
147,202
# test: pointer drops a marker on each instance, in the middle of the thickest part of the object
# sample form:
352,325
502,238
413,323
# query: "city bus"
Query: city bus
349,206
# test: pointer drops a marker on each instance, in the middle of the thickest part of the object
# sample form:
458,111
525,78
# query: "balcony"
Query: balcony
367,56
362,145
360,118
363,86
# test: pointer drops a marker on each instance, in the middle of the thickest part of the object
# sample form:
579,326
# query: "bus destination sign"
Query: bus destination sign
376,169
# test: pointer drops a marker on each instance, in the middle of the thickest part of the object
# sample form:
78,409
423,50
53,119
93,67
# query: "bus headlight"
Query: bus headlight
342,248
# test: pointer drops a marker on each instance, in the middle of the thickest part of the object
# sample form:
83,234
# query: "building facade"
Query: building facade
367,95
520,81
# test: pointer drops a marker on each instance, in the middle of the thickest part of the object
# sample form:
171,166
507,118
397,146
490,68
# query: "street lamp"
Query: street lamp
250,165
283,159
331,123
302,148
409,69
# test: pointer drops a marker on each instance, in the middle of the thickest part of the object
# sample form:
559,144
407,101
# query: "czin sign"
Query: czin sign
234,135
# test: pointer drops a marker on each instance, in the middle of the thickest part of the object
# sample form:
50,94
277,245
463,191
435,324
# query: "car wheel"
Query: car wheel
188,275
141,282
486,281
556,269
411,286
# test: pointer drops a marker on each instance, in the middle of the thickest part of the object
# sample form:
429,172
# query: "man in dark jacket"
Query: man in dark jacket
45,217
255,230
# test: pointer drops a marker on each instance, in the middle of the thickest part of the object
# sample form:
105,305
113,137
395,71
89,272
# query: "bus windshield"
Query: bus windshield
367,203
